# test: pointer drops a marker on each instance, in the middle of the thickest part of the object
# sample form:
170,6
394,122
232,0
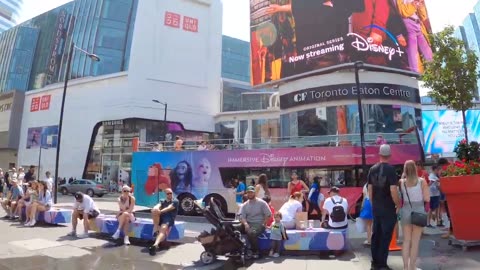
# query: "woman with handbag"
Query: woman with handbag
416,204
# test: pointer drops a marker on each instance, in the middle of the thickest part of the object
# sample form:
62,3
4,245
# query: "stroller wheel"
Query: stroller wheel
207,257
248,254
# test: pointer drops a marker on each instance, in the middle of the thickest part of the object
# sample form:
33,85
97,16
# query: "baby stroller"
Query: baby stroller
225,239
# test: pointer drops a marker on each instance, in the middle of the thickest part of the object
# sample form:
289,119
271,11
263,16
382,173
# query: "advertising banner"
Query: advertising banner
291,37
45,137
349,91
443,129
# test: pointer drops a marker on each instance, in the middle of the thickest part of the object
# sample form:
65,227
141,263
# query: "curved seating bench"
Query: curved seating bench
142,228
316,239
52,216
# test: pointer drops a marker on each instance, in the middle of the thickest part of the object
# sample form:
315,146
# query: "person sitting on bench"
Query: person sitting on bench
336,207
43,204
84,209
163,215
10,203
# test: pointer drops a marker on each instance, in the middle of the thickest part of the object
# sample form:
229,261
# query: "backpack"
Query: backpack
338,213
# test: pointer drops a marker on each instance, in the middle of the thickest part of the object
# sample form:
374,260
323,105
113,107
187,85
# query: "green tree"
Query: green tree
452,74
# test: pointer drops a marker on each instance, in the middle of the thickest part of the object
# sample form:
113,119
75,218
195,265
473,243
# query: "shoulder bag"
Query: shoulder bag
416,218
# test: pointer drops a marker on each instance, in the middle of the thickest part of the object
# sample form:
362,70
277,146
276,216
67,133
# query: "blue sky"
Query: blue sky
236,17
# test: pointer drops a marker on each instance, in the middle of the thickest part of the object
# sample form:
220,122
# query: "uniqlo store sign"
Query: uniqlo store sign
40,103
175,20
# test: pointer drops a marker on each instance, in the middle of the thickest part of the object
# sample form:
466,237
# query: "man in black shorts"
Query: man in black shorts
84,209
383,192
167,211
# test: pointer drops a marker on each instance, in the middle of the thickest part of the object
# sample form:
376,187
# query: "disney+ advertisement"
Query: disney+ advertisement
291,37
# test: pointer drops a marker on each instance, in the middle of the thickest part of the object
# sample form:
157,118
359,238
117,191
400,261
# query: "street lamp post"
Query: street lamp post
40,160
358,66
95,58
165,105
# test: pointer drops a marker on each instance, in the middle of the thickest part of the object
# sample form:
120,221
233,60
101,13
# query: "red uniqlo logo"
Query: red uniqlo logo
190,24
172,19
45,102
35,105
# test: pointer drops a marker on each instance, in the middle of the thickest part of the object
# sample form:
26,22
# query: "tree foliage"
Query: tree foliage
452,74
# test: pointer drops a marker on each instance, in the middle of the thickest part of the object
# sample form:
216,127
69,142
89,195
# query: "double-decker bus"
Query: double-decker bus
200,175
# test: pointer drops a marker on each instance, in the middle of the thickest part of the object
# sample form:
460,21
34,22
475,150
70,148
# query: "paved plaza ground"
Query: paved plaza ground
47,247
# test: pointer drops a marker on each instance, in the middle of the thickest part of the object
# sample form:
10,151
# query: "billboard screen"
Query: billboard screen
291,37
443,129
45,137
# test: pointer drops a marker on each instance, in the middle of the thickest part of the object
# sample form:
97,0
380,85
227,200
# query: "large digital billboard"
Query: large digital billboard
292,37
443,129
45,137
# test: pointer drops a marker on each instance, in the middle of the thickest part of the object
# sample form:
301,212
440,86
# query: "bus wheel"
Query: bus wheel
187,206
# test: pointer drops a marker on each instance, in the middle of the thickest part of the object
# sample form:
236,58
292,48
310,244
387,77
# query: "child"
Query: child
277,235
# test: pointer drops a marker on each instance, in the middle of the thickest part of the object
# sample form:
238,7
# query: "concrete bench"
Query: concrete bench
52,216
316,239
142,228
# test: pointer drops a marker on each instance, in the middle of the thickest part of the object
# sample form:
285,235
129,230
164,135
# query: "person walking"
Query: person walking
416,198
315,198
384,196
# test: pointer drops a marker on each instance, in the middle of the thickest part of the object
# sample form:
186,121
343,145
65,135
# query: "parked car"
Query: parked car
89,187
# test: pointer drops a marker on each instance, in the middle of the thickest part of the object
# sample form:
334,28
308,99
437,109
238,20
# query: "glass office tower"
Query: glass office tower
9,13
103,27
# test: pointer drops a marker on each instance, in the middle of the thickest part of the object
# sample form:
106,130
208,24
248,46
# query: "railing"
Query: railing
284,142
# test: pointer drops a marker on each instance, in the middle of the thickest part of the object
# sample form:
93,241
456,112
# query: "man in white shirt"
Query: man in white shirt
337,208
49,181
84,209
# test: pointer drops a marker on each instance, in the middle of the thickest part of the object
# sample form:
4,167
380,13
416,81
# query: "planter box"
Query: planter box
463,195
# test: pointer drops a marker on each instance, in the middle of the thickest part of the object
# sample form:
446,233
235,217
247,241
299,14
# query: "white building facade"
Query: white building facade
175,58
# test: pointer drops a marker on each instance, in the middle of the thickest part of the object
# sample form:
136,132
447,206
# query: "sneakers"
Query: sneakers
152,250
31,223
256,256
116,235
83,235
366,243
275,255
72,234
126,241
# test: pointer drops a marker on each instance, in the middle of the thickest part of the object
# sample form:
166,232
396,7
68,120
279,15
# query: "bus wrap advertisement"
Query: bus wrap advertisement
292,37
199,174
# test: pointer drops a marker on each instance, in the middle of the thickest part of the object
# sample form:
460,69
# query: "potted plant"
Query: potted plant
461,185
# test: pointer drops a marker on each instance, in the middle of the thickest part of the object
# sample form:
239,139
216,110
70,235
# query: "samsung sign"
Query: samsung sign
349,91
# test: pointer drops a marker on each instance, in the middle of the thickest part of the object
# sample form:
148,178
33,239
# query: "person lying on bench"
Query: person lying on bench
163,215
10,203
336,207
84,209
43,204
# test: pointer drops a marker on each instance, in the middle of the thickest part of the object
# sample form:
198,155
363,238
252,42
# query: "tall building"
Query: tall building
103,27
158,49
9,13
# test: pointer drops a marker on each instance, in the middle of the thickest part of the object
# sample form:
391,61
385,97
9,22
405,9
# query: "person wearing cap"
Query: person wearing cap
336,207
10,203
254,215
163,215
125,216
384,196
84,209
